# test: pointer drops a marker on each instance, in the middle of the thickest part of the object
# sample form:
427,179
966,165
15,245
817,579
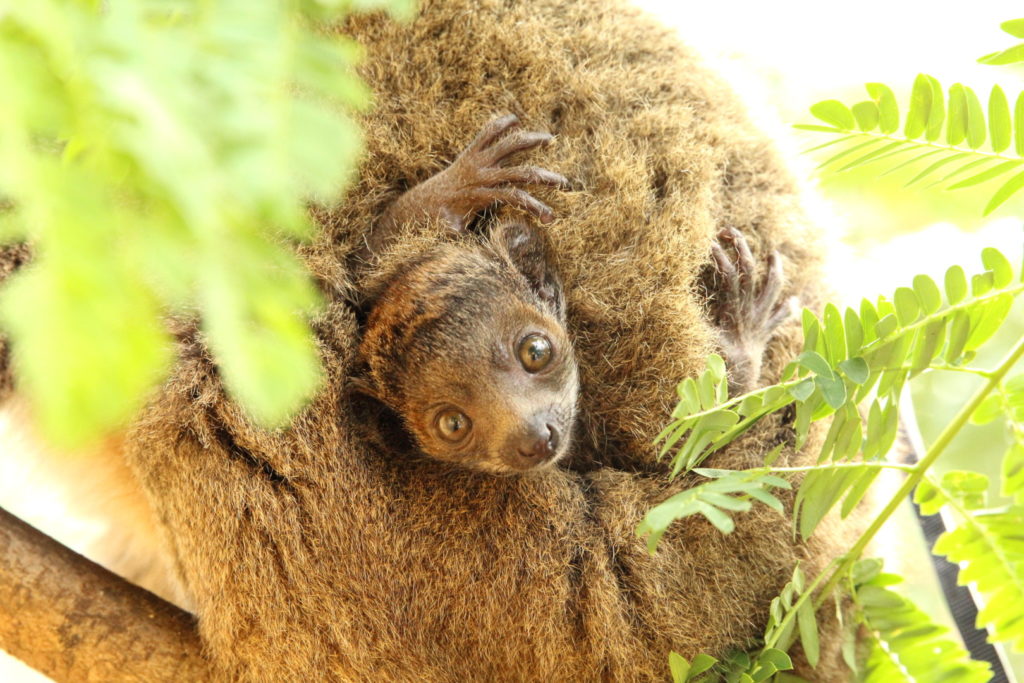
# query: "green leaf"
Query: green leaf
927,293
886,326
956,130
959,331
986,320
802,390
1015,27
1000,266
854,333
936,112
931,168
832,389
920,106
1013,473
956,285
848,151
856,369
927,346
975,120
834,113
859,490
913,160
815,363
988,410
999,121
929,497
679,667
808,626
986,175
1018,125
888,110
908,308
835,334
1009,188
701,663
1010,55
987,546
866,115
822,129
905,645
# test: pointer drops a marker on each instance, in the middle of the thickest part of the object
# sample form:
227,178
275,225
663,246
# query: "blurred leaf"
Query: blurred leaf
835,113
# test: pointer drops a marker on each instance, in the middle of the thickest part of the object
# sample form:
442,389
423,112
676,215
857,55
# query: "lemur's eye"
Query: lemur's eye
535,352
453,425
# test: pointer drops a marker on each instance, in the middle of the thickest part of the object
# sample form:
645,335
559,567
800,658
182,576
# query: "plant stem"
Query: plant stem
912,480
843,466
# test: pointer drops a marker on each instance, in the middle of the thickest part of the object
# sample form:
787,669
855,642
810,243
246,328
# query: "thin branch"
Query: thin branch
72,620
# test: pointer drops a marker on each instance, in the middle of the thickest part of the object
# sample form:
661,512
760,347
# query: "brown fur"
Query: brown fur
315,553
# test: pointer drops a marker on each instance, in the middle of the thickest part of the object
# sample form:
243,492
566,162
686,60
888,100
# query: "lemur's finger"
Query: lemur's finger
772,282
726,269
519,142
744,259
526,175
784,310
521,199
493,130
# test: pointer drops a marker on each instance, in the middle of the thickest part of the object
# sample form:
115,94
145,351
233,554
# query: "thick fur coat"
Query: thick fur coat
317,552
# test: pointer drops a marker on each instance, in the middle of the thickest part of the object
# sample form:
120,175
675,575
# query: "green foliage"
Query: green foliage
729,491
988,545
1012,55
848,358
904,644
1008,402
159,156
853,367
943,136
684,671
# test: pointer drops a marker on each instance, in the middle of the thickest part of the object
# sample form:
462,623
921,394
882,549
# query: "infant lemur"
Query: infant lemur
468,345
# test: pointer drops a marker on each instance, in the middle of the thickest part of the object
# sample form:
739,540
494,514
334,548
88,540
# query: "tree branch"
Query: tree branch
73,620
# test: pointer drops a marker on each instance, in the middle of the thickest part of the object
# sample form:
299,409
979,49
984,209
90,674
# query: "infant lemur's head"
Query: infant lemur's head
468,345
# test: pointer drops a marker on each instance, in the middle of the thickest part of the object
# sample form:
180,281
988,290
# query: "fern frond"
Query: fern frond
1011,55
847,357
988,545
949,129
905,645
727,492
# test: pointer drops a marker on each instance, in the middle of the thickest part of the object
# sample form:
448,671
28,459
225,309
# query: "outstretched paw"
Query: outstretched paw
479,178
749,310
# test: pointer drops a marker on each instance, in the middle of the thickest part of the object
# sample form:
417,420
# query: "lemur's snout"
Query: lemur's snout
537,444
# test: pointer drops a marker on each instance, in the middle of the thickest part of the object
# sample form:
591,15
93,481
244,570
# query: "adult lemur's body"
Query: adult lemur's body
467,343
318,553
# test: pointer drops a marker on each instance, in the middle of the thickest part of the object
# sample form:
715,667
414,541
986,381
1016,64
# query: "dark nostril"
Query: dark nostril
542,444
552,438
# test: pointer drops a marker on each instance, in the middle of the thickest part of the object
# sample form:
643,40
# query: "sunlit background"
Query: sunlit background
781,58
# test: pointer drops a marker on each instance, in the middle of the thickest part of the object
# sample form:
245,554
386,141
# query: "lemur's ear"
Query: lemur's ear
362,387
525,247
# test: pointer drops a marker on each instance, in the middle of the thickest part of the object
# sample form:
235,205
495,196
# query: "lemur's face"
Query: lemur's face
504,403
478,366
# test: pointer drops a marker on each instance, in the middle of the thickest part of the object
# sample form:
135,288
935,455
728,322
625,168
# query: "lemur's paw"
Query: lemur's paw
478,178
749,310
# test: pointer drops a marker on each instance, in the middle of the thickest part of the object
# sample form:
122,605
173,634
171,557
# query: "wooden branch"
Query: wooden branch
73,620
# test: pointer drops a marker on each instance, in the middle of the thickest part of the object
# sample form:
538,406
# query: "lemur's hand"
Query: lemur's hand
478,178
749,312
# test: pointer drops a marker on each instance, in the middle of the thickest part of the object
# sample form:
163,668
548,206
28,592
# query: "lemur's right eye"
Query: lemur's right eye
534,352
453,425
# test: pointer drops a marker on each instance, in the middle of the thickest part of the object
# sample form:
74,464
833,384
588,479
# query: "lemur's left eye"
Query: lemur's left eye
535,352
453,425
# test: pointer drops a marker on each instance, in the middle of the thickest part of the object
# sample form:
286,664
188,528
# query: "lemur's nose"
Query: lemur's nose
539,443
